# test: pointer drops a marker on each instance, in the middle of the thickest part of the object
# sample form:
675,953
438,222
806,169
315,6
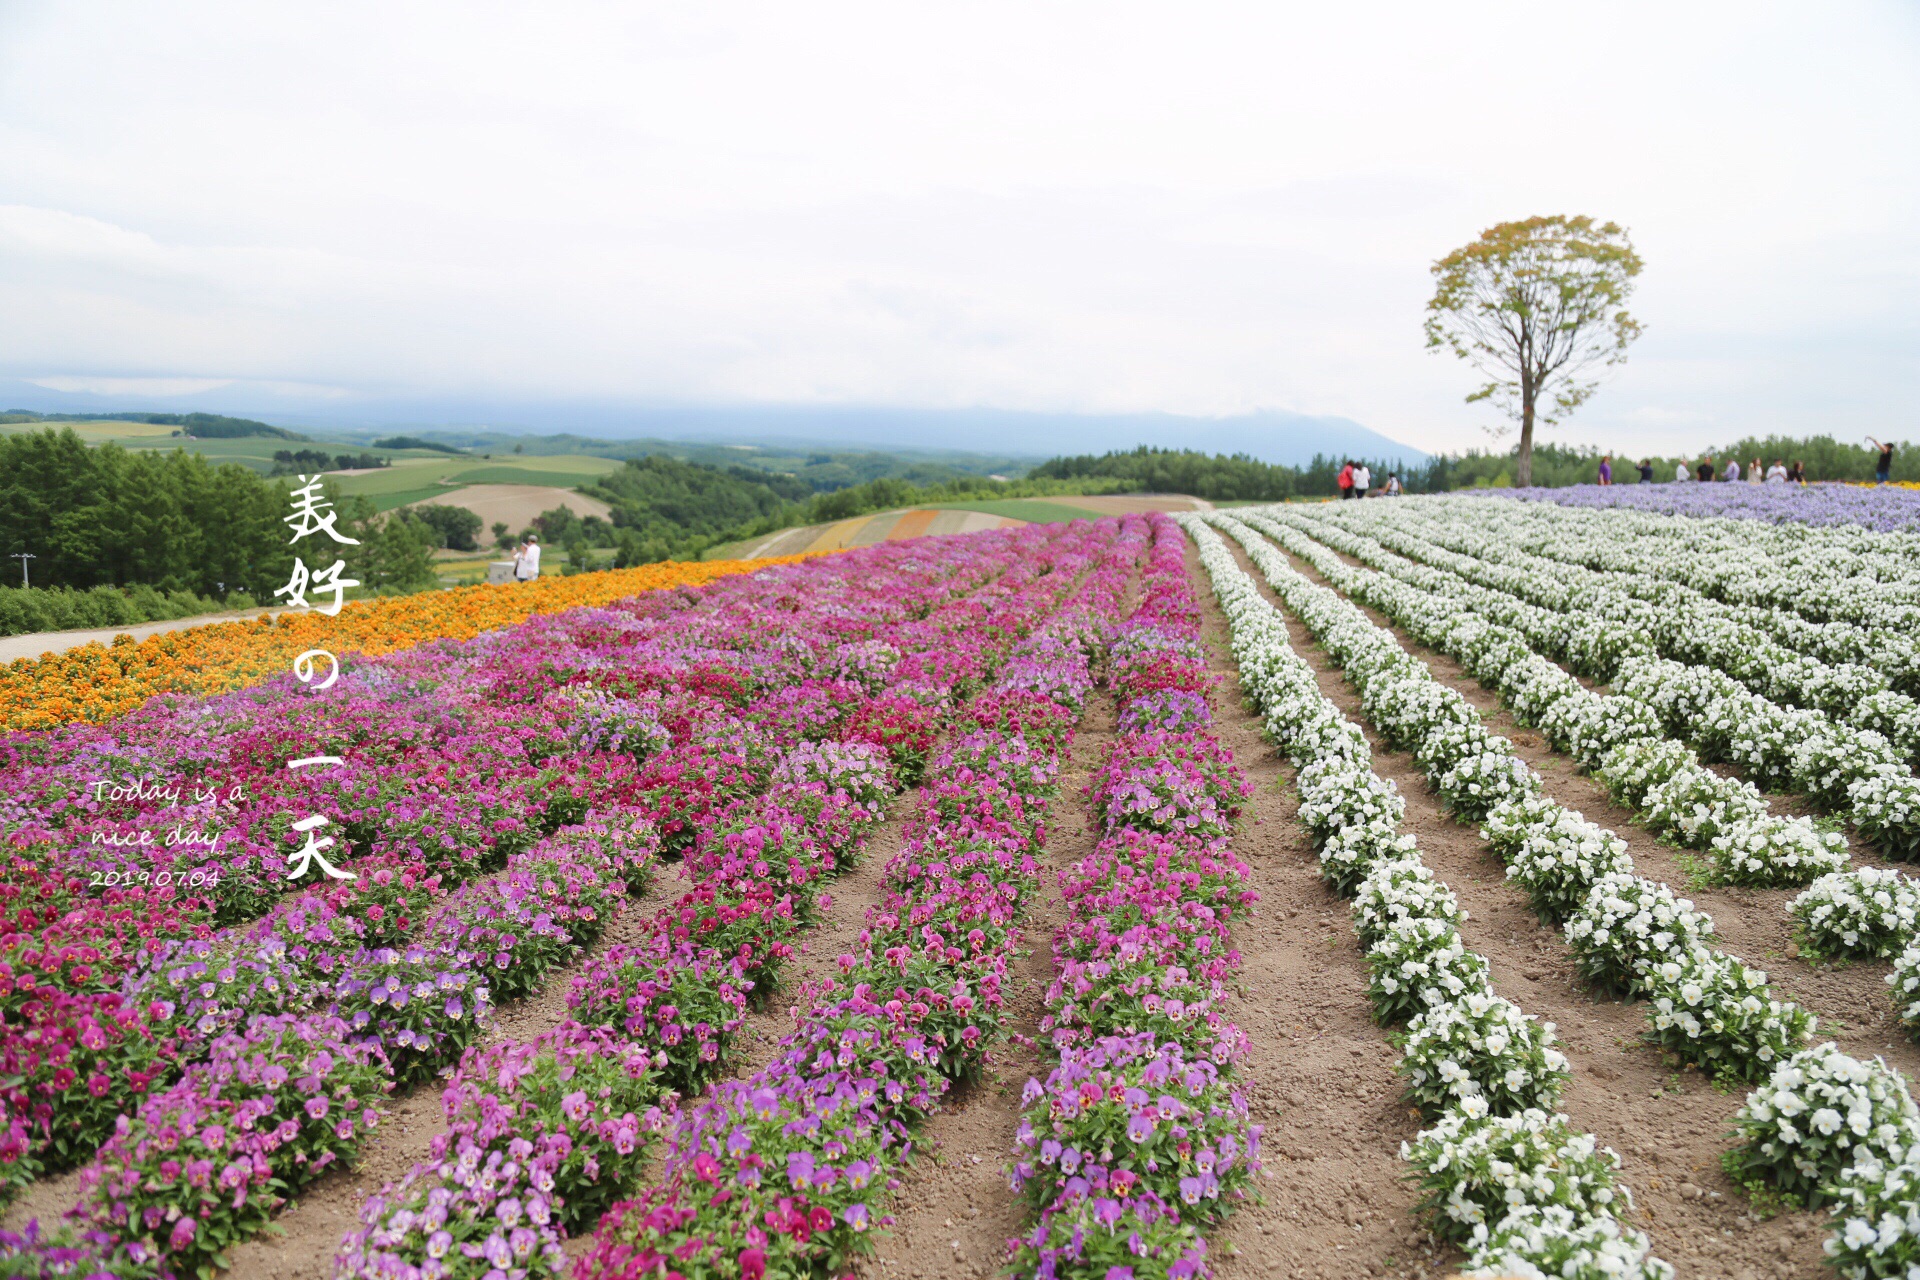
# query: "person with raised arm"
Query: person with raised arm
1883,466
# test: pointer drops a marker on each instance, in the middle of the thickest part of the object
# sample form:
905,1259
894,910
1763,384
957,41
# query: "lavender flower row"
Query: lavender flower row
1883,510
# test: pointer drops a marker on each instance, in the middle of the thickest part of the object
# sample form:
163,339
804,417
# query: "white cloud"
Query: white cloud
1118,206
134,386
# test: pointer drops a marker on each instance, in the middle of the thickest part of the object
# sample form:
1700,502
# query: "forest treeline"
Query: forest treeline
121,536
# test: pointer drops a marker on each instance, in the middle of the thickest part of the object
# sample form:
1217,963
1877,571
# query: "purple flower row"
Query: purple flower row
1139,1136
672,1001
1883,510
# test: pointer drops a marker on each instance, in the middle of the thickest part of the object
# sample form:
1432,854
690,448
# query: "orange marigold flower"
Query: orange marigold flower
97,682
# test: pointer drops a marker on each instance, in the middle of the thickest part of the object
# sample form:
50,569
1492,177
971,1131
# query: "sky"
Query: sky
1197,209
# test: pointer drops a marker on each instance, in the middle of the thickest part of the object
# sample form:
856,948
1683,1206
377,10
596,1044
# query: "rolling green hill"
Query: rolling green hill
416,480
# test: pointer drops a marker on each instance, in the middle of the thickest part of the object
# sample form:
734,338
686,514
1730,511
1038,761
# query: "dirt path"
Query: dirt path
42,643
1319,1074
835,930
1669,1127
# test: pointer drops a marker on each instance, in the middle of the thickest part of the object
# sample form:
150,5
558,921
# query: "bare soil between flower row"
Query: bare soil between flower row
954,1213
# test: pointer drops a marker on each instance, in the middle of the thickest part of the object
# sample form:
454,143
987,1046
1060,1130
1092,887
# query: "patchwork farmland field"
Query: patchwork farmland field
440,478
1364,889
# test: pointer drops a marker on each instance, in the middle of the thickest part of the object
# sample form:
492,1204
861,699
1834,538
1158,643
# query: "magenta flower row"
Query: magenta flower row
1140,1137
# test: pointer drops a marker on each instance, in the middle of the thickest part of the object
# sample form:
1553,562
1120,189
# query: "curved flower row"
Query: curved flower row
1139,1137
1852,771
1842,597
784,1172
1633,935
579,716
1861,677
96,682
1502,1173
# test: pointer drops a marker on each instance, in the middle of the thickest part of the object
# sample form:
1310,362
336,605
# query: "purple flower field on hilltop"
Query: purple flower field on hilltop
1883,510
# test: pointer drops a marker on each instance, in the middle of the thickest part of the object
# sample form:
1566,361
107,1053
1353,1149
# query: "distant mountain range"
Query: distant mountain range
1271,436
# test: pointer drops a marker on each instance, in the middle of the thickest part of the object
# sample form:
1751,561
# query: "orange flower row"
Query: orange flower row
96,682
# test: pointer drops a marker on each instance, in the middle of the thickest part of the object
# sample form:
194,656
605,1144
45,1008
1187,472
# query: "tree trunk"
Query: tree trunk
1525,467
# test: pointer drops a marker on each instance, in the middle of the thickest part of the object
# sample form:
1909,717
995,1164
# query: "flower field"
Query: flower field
1225,884
1744,694
96,682
1881,508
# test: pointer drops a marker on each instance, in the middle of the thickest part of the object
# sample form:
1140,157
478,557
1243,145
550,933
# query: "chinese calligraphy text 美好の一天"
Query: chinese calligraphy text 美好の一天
313,514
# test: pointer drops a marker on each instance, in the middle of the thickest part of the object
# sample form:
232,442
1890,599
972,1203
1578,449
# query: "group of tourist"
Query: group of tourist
1781,472
1356,481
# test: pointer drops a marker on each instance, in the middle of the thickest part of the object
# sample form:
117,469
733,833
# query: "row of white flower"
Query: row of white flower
1865,579
1852,771
1502,1173
1775,651
1610,617
1862,913
1706,1007
1823,1127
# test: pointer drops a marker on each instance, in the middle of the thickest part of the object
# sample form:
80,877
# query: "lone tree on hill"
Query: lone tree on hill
1537,306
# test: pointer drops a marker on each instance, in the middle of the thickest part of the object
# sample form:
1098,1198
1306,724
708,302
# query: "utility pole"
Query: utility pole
22,557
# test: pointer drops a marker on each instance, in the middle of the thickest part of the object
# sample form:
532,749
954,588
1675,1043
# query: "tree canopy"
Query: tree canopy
109,516
1539,307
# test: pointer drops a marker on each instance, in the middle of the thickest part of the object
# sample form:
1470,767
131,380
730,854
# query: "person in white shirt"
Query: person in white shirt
1777,473
526,561
1393,487
1362,478
1680,472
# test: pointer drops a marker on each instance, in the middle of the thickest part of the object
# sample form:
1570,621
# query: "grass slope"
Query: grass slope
432,477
